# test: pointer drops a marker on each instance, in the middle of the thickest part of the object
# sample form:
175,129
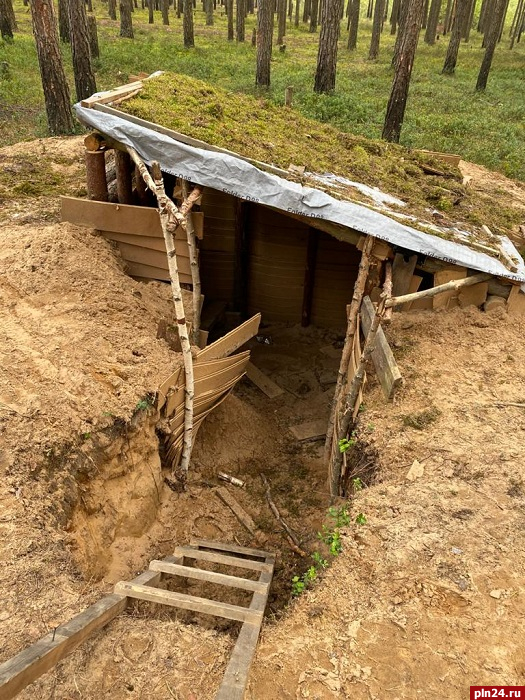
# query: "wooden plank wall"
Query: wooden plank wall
217,259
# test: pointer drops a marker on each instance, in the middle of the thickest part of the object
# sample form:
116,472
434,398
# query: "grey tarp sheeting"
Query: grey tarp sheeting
242,179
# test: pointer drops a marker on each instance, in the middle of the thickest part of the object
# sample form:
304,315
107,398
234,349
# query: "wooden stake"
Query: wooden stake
434,291
359,287
387,288
124,177
346,417
288,96
97,186
194,262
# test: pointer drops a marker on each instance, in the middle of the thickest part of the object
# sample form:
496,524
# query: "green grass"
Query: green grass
444,113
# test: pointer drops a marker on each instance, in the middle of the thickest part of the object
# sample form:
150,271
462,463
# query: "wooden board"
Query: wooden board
111,95
475,295
187,602
217,558
265,384
192,572
311,430
231,341
153,258
228,547
166,385
30,664
148,272
415,283
402,272
151,242
448,299
451,158
239,512
516,301
385,365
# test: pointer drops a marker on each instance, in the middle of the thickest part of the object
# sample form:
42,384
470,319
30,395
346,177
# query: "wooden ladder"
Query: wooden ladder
236,675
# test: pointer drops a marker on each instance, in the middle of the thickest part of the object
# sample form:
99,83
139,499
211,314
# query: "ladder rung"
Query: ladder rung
231,548
188,602
210,576
218,558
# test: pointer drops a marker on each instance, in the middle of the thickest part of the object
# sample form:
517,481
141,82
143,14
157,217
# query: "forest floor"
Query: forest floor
427,596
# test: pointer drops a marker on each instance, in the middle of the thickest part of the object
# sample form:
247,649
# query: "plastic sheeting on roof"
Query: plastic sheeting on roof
244,180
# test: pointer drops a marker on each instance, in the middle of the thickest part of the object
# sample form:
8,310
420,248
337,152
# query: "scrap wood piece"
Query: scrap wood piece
231,341
311,430
265,384
402,271
291,536
434,291
384,362
239,512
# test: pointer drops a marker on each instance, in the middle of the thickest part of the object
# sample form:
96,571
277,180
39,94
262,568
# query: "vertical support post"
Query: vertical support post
124,177
288,96
97,186
241,271
309,276
140,186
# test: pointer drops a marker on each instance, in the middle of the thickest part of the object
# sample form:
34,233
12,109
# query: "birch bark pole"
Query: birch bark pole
194,260
350,399
359,287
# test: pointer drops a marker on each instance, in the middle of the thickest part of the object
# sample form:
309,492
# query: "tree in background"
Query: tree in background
264,42
241,15
492,35
409,32
327,52
458,27
354,24
126,24
85,84
112,9
377,26
63,21
432,22
187,24
7,19
229,14
54,83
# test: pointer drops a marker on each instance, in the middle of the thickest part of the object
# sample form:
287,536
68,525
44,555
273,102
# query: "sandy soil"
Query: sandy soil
427,596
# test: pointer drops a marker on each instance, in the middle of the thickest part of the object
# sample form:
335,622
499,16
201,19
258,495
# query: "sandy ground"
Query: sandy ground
427,596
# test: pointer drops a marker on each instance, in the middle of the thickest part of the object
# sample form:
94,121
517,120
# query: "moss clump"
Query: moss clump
419,421
263,131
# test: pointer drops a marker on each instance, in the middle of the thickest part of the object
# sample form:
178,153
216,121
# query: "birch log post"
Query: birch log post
387,288
194,262
347,414
434,291
168,229
359,287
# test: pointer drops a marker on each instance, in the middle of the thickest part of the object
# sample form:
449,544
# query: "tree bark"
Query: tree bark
126,24
401,24
394,16
491,35
462,12
241,15
306,10
194,264
432,23
328,42
395,111
264,42
229,14
354,25
112,9
314,10
209,13
297,12
63,21
93,36
165,7
6,23
281,21
54,83
376,30
85,84
187,23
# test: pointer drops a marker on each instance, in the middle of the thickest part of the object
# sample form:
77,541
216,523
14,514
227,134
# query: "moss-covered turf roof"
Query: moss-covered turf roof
256,128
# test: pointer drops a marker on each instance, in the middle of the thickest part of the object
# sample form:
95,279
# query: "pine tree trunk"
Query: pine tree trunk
85,84
328,41
401,22
187,23
314,9
462,10
281,21
492,35
394,17
297,12
354,25
468,24
126,24
112,9
395,111
63,21
6,28
449,13
11,15
93,36
229,14
517,23
54,83
485,9
425,15
165,7
432,23
307,10
241,15
376,30
264,41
